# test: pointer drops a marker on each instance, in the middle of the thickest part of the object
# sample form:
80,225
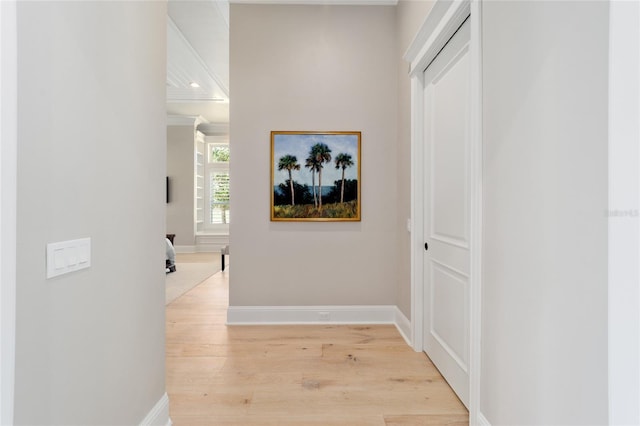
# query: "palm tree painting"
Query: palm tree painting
342,162
322,153
288,163
315,192
312,164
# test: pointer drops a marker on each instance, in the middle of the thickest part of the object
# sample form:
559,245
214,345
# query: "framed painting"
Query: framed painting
315,176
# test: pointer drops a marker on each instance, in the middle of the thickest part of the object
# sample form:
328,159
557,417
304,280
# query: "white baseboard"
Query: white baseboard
482,420
403,325
159,414
185,249
211,242
270,315
209,248
205,243
264,315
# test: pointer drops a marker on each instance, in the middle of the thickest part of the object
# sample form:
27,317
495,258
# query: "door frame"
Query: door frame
624,231
8,192
442,22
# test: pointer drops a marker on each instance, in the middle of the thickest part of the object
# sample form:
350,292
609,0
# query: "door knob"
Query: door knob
426,246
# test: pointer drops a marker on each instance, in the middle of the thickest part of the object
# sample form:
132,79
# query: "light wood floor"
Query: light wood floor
295,375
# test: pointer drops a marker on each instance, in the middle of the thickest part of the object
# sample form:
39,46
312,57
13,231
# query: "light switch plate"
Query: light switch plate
68,256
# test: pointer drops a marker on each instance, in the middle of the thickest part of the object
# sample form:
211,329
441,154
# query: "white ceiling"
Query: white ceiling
198,52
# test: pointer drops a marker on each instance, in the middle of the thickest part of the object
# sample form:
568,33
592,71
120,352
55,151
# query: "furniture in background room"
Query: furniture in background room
170,261
224,251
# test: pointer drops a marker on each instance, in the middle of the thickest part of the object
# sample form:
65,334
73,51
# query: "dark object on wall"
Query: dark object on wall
167,186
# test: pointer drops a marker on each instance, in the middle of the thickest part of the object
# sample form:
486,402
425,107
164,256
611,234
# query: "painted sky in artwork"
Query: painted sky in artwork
300,146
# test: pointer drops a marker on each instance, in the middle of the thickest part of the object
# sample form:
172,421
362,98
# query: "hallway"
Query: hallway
295,375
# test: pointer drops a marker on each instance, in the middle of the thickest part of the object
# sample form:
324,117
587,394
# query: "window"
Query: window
217,186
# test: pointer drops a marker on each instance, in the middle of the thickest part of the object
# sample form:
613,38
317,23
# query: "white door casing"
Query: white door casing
8,190
446,328
440,25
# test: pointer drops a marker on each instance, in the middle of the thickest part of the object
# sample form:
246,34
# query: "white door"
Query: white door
447,211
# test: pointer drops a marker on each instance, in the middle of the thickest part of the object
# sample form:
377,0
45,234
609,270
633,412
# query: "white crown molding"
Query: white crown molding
214,129
185,120
320,2
215,138
159,414
224,12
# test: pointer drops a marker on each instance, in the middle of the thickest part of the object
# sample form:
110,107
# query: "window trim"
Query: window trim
209,168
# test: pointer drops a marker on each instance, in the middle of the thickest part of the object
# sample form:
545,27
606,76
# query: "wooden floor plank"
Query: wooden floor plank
295,375
261,420
419,420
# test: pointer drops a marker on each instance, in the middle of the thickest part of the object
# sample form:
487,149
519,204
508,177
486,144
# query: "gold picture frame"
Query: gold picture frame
302,163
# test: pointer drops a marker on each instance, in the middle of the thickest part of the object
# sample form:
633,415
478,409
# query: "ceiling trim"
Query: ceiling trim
171,26
214,129
442,21
185,120
195,101
222,13
320,2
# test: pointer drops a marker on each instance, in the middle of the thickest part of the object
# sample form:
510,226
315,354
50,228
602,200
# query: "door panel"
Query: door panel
447,216
449,189
448,316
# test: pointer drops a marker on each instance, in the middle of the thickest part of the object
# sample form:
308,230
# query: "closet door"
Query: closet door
447,211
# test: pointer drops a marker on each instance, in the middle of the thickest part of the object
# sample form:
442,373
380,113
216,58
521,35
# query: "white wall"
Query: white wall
624,204
313,68
8,154
91,163
544,336
410,14
180,169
